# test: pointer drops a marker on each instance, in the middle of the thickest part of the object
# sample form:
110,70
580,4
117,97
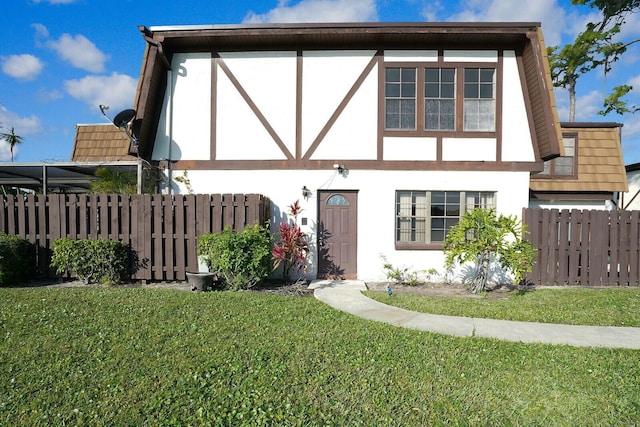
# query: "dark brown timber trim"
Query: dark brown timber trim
391,165
299,65
214,102
499,103
527,105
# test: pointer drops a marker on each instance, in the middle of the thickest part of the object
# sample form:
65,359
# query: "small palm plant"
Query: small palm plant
12,139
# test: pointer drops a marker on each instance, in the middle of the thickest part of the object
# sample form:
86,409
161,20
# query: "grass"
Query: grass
163,357
601,307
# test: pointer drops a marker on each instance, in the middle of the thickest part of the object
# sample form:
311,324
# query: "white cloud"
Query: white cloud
548,12
23,67
80,52
23,126
44,95
41,30
117,90
318,11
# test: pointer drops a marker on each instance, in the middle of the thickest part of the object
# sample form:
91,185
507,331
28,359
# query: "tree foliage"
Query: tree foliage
12,139
599,45
479,236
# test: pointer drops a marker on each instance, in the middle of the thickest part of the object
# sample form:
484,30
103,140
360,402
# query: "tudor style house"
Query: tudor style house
386,133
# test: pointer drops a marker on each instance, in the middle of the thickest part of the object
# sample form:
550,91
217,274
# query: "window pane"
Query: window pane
447,90
393,106
407,106
564,166
392,89
337,199
471,91
486,75
448,75
408,90
432,75
471,75
486,91
411,216
432,90
393,75
408,74
437,197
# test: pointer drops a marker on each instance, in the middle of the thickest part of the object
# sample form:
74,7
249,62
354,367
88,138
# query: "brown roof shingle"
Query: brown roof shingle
599,161
100,142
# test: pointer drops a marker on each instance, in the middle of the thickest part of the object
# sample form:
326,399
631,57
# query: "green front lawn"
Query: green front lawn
161,357
599,307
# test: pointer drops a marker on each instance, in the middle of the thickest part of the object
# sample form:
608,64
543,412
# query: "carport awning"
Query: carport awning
68,177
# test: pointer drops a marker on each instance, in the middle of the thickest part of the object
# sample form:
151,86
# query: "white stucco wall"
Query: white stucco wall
517,145
631,198
376,203
186,133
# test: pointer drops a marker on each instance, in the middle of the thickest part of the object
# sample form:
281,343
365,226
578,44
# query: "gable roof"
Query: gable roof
526,38
100,142
599,161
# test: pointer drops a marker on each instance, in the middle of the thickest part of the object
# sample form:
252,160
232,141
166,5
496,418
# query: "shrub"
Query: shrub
292,250
91,260
241,259
15,259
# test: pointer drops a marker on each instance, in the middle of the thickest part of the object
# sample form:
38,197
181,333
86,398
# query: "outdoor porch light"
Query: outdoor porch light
305,192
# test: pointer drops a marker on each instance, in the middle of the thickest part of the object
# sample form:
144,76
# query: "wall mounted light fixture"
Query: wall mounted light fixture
340,168
305,192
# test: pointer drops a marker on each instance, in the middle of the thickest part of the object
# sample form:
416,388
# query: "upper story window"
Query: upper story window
450,99
565,166
479,99
400,98
440,99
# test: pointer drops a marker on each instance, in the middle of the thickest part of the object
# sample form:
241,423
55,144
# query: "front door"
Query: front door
337,234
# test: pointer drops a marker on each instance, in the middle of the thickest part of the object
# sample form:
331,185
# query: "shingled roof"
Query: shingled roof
100,142
600,165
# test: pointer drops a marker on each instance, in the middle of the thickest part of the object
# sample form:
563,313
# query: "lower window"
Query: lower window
425,217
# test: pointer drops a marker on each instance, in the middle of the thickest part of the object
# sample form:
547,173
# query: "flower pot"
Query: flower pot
201,282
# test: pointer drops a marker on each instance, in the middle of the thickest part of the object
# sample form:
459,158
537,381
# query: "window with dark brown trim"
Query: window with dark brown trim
565,166
451,98
423,218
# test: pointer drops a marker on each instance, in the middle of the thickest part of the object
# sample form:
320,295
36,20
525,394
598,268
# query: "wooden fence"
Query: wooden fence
160,230
586,247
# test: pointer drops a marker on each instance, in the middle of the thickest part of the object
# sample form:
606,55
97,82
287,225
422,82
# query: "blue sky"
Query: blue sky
60,59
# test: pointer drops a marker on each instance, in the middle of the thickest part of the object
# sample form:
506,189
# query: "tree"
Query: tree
480,236
12,139
598,45
113,181
573,60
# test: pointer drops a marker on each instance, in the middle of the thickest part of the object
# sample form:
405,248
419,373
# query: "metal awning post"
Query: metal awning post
140,177
44,180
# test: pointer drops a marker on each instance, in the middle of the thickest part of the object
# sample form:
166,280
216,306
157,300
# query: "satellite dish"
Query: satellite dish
123,118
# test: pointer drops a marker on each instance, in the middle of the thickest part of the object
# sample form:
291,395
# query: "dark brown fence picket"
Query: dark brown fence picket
161,230
584,247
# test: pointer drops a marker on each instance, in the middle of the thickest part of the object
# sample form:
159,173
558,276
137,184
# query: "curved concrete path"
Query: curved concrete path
346,295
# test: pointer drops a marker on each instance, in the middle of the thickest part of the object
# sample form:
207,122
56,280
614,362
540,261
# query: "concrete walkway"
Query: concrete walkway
346,295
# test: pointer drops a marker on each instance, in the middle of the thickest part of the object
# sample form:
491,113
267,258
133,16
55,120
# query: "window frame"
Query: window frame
427,244
420,99
551,172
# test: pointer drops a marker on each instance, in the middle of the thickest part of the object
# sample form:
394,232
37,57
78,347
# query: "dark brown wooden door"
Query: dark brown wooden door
337,234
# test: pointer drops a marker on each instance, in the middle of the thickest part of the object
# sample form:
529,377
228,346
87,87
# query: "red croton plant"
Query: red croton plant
292,250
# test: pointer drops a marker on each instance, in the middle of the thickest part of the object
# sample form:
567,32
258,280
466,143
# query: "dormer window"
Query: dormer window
565,166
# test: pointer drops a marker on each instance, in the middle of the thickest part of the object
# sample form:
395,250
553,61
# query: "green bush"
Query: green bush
91,260
16,259
241,259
